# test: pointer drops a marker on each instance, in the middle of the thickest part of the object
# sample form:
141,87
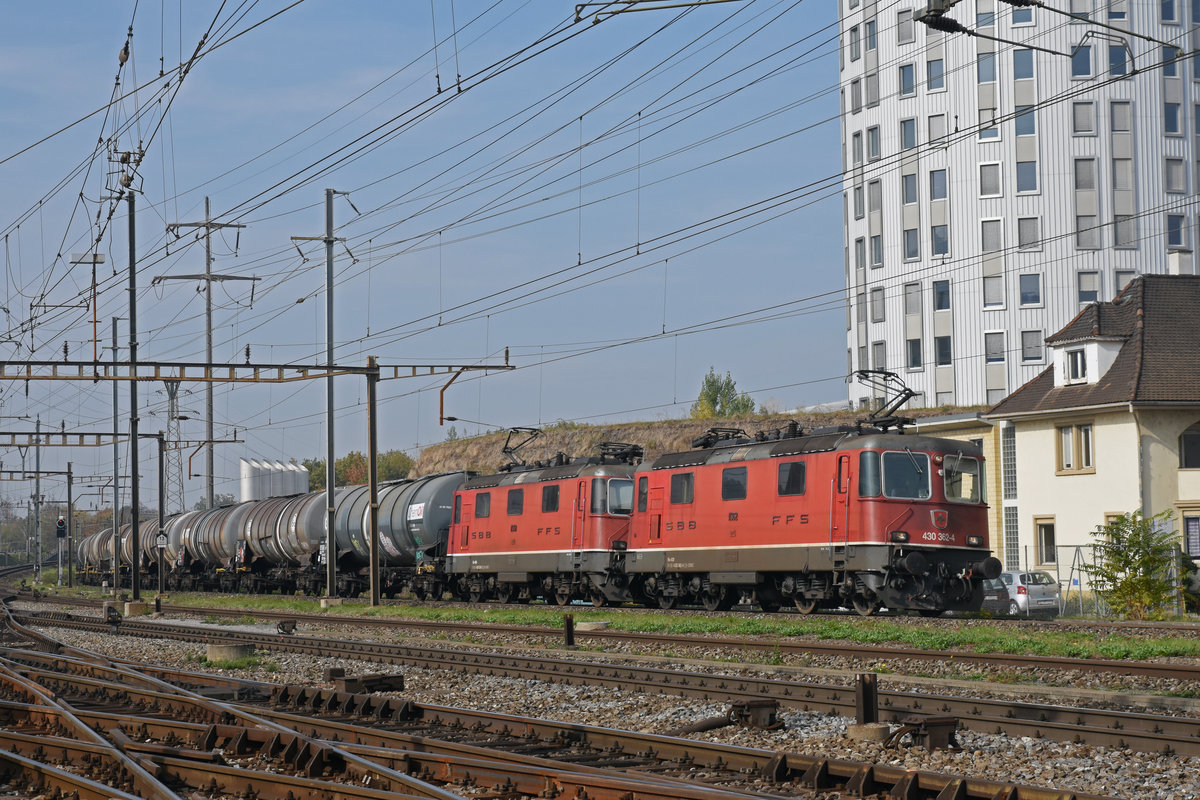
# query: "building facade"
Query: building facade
993,189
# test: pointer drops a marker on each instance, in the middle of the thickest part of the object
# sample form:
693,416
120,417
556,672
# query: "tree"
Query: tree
350,469
316,473
719,397
394,465
1135,570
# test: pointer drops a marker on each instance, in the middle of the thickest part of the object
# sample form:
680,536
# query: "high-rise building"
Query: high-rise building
992,188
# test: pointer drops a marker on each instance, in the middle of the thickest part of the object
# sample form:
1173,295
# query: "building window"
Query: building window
1123,277
1031,347
1122,174
861,307
914,354
871,82
1125,230
1008,467
993,347
877,250
935,74
877,304
879,355
1175,176
875,196
1171,121
1075,448
855,53
1022,16
1085,174
1022,64
1175,230
1083,119
941,351
908,188
908,85
1170,56
912,299
859,205
1089,287
1027,177
870,34
1170,12
985,19
1029,233
1087,231
985,67
1081,61
937,127
989,180
904,27
1191,535
941,295
1118,60
873,142
1076,366
1031,289
937,184
1081,8
856,147
1026,121
1118,9
940,234
1047,552
912,244
991,235
987,124
1122,116
855,96
1189,448
908,134
993,291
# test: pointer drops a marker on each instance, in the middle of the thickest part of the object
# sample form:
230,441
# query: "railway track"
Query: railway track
118,730
1119,729
1179,671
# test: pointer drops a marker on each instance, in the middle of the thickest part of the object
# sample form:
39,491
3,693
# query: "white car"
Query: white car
1031,593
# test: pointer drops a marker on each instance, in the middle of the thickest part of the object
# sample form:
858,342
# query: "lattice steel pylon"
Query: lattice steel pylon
174,458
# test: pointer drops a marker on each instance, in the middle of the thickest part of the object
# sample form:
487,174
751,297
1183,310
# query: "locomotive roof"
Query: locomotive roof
819,440
578,469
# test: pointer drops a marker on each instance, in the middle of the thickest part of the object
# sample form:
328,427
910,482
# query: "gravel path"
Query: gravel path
1119,773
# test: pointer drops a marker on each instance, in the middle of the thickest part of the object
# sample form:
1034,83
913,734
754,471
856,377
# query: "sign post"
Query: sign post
160,543
60,533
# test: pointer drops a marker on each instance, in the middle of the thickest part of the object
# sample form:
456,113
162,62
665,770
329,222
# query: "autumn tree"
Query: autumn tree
719,397
352,469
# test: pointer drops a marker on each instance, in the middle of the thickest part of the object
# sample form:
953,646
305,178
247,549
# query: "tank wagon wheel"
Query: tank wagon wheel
864,606
717,599
805,605
598,599
563,596
420,594
474,596
769,604
504,593
666,602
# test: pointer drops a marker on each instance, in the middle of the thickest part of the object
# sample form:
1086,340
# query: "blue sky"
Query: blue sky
699,225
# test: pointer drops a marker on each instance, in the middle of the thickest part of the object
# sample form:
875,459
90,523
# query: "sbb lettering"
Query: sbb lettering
481,534
681,525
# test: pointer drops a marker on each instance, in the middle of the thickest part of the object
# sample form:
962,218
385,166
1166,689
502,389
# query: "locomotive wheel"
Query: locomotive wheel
864,606
504,593
666,602
474,596
718,599
598,599
805,605
563,596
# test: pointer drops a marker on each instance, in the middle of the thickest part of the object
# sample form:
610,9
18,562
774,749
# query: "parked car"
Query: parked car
995,597
1031,593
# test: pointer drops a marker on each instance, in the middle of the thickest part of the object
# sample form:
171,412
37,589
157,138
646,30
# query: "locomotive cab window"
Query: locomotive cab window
791,478
457,509
643,492
599,496
620,496
516,502
906,475
682,488
733,483
549,499
868,474
483,504
963,476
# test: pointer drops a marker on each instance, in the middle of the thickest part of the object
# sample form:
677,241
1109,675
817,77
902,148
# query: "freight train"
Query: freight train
856,516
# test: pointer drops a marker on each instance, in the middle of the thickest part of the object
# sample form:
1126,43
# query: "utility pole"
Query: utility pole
208,277
174,468
134,577
37,497
116,524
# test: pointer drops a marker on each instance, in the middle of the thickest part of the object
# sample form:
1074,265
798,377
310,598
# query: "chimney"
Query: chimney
1179,262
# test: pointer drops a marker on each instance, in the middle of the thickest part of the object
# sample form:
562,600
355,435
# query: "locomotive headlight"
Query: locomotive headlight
975,541
899,536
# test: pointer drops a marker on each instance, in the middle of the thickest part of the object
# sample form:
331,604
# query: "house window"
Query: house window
1047,553
1022,64
937,184
1170,11
937,126
912,244
855,52
859,203
1085,174
1025,121
1175,175
912,299
856,148
860,253
991,235
1022,16
908,188
1029,233
875,196
877,250
1083,119
1191,535
870,31
935,74
1087,231
985,68
1075,448
1118,60
914,353
1027,178
1089,287
908,84
856,95
1171,119
941,295
1169,61
908,134
1175,232
877,304
1123,277
1031,346
879,355
1081,61
682,488
940,234
993,347
1125,231
1122,116
1189,448
989,180
1076,366
873,142
1031,289
942,353
904,27
993,291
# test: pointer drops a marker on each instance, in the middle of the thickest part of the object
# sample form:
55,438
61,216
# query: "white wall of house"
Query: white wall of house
1166,486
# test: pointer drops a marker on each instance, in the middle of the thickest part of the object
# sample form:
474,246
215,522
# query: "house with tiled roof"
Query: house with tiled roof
1112,425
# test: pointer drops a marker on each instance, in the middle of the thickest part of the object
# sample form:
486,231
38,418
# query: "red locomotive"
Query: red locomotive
860,516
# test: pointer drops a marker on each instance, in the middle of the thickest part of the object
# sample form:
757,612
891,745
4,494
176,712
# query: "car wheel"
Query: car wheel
1014,610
